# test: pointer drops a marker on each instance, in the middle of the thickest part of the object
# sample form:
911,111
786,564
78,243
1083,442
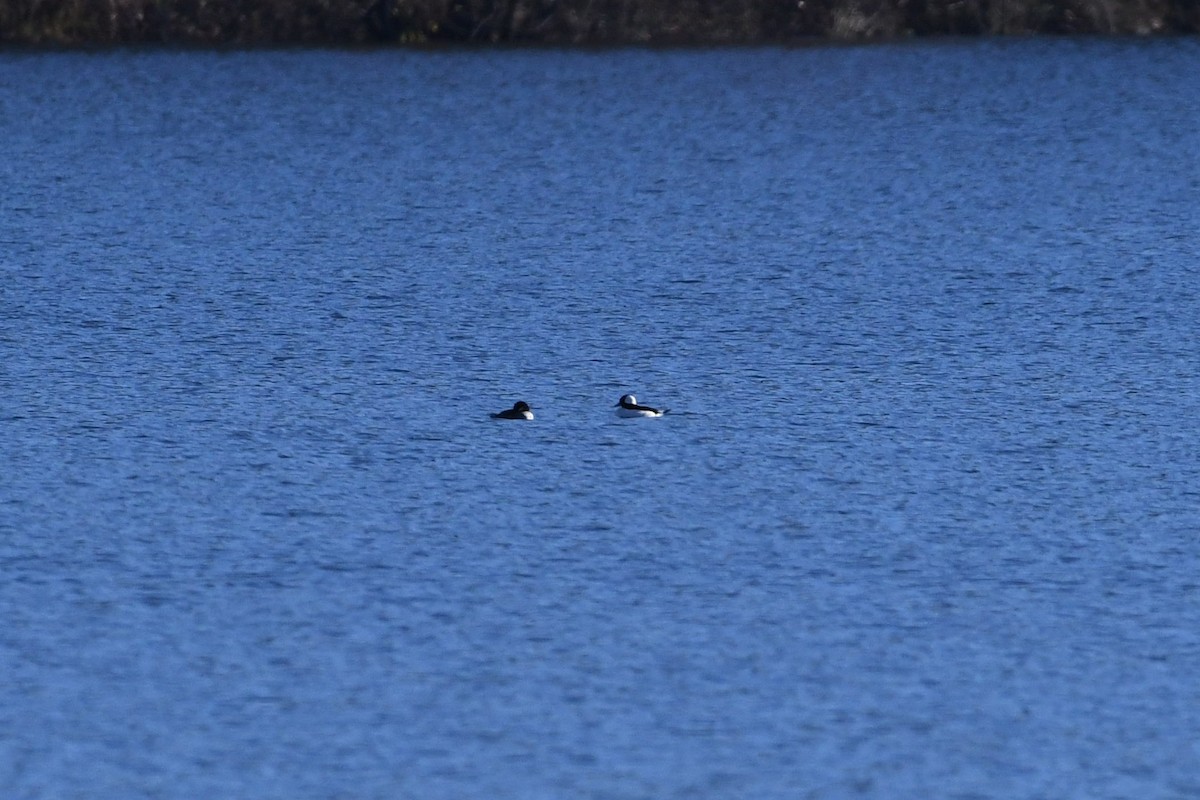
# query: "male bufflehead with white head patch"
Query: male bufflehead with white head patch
520,410
628,406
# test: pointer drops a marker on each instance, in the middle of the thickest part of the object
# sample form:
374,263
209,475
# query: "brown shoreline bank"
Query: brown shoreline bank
251,23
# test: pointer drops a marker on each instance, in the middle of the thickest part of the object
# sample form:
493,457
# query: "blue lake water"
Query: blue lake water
922,522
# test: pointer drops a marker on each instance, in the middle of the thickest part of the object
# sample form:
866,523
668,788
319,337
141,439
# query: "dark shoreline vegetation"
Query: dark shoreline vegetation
250,23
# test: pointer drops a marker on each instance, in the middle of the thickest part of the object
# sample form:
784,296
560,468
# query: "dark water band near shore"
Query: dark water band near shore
562,22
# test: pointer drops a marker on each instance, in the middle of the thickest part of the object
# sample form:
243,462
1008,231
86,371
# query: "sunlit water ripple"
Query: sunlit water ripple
921,522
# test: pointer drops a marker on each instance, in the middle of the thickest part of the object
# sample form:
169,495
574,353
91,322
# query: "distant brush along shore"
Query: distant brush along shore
249,23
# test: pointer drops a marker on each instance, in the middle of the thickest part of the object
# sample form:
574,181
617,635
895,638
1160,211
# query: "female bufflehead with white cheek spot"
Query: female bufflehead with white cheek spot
628,406
520,410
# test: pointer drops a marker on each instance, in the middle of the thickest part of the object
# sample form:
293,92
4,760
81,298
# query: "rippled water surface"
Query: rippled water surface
922,520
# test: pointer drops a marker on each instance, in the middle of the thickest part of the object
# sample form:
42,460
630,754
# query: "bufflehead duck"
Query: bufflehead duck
628,406
520,410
